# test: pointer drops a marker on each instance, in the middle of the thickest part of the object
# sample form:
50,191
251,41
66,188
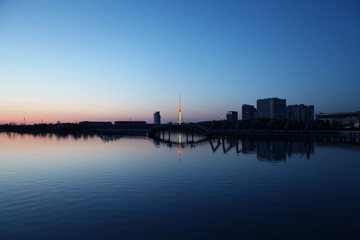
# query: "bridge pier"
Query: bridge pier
237,146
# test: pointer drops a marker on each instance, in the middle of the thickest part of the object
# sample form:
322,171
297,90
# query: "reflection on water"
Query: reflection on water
179,140
265,150
114,187
278,150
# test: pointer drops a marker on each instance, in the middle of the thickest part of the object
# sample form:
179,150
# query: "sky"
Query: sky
71,61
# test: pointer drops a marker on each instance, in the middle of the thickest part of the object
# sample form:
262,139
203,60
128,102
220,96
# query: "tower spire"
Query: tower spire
179,117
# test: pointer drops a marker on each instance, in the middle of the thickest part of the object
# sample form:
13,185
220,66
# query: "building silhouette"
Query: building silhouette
157,117
273,108
232,116
300,112
248,112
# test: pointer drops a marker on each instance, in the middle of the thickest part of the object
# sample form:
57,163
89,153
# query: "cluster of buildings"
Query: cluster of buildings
274,108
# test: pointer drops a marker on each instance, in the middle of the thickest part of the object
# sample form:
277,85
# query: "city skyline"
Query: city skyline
113,61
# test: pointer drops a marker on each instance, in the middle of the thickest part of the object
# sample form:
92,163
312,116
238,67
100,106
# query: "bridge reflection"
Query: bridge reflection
265,150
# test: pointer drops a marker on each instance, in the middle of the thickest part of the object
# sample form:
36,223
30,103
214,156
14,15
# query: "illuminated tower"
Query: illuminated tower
180,118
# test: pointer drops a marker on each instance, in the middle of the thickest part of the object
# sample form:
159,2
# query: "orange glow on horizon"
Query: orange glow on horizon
36,118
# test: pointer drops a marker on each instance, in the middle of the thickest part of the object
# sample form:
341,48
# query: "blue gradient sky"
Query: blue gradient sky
116,60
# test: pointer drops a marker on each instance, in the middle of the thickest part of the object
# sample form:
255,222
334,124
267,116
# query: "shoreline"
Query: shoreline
291,135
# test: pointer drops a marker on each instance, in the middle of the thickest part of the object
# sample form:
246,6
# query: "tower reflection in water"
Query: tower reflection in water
179,139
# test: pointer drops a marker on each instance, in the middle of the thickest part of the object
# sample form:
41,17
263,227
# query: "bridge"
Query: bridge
157,131
328,135
183,127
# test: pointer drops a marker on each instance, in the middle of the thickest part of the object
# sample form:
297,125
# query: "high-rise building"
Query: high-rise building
273,108
232,116
300,112
248,112
157,117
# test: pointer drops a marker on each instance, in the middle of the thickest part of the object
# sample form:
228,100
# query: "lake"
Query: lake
112,187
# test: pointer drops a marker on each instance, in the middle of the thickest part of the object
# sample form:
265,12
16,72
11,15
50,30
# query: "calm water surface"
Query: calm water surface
137,188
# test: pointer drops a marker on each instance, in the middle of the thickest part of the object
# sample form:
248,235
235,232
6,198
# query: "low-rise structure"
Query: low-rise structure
130,124
98,125
347,119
